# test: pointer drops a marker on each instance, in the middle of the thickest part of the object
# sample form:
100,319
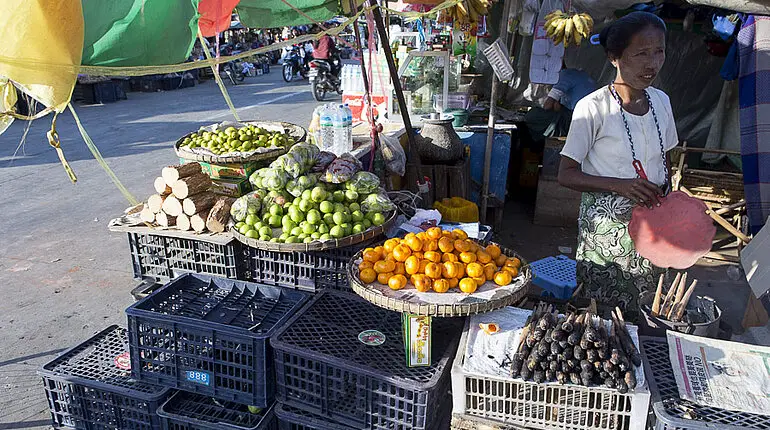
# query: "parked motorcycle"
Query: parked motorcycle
294,63
322,80
232,71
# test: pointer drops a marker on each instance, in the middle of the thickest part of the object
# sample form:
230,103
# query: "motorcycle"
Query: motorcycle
322,80
293,63
232,71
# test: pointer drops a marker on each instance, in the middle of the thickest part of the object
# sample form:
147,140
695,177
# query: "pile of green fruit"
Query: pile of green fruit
231,139
292,205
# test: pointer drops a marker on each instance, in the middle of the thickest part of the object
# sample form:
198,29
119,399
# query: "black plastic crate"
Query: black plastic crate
309,271
210,335
165,257
323,367
290,418
670,409
90,387
190,411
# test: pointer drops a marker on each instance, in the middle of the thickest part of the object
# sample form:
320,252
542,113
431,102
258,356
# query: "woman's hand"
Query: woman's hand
640,191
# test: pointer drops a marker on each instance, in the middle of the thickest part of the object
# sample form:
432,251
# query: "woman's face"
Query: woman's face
642,59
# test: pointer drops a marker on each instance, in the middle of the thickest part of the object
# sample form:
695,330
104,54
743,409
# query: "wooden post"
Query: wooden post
491,122
365,77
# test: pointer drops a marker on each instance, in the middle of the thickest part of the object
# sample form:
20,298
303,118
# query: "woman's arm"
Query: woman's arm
638,190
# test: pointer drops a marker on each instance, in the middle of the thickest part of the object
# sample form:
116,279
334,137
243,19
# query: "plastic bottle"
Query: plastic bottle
348,128
327,129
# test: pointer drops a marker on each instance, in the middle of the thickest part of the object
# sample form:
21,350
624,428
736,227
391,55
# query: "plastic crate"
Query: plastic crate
164,257
544,406
669,408
209,335
308,271
555,275
322,366
190,411
90,387
290,418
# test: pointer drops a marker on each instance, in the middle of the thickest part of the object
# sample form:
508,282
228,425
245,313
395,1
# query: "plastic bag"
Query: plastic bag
363,183
275,179
256,179
295,187
322,161
250,204
342,169
393,154
377,202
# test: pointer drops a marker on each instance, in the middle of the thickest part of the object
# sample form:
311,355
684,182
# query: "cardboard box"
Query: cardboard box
229,171
231,187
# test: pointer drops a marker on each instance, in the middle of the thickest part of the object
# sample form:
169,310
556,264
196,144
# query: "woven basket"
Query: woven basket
507,298
297,132
353,239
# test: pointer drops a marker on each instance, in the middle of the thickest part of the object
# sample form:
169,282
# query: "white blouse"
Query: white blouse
598,139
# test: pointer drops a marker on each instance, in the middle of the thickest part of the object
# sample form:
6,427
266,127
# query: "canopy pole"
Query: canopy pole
491,122
412,150
367,88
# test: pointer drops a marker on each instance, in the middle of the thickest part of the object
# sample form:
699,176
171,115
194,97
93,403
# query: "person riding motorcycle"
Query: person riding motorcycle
325,49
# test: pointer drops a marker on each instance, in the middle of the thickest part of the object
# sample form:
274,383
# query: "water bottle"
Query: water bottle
348,128
327,129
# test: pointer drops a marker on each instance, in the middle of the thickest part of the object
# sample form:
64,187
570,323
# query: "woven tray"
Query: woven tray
455,304
317,245
297,132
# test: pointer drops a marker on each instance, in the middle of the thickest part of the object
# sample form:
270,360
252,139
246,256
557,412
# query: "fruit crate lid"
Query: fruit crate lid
303,418
254,307
102,360
329,326
556,271
670,408
192,408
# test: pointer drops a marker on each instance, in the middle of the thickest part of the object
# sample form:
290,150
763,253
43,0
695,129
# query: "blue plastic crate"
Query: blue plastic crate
556,275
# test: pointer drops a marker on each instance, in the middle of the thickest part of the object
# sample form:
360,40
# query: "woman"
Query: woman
611,129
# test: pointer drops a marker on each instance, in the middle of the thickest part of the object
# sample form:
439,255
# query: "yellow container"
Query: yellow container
456,209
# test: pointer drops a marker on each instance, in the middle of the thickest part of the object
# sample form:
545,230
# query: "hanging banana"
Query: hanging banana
568,28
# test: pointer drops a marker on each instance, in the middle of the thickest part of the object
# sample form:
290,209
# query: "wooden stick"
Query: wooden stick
683,304
161,187
172,206
656,301
678,298
172,174
155,202
577,290
670,295
183,222
165,220
147,215
721,221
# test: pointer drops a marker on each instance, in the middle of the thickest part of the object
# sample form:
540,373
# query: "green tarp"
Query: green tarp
276,13
139,32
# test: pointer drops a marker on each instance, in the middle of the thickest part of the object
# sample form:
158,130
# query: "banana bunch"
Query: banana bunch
468,11
565,28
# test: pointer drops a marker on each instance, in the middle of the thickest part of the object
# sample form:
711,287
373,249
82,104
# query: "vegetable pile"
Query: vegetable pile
231,139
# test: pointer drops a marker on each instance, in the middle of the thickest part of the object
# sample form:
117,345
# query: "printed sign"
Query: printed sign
123,361
371,337
417,339
203,378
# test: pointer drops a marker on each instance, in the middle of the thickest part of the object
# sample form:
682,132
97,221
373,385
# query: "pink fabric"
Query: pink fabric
675,234
215,16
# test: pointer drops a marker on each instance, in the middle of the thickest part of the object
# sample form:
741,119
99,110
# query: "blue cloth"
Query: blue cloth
754,102
575,84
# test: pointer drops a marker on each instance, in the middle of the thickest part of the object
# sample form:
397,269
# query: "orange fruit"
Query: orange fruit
445,244
512,270
397,282
474,269
448,256
468,285
441,285
390,244
423,236
460,269
368,275
513,262
371,255
422,283
500,260
384,266
413,242
433,256
480,280
401,252
493,250
365,265
400,269
430,245
447,233
483,257
434,233
489,271
419,255
412,265
383,278
453,282
423,266
474,248
459,234
390,257
467,257
503,277
433,270
449,270
462,245
380,249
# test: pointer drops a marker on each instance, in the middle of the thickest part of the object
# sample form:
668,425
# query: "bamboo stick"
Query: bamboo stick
656,301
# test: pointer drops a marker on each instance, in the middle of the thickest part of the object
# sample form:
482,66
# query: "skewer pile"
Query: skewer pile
672,307
576,349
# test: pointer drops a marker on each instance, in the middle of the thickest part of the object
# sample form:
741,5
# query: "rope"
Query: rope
53,140
215,69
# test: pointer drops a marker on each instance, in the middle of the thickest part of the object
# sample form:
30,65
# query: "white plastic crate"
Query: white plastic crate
545,406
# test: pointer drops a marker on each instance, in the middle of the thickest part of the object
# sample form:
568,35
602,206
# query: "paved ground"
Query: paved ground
63,276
